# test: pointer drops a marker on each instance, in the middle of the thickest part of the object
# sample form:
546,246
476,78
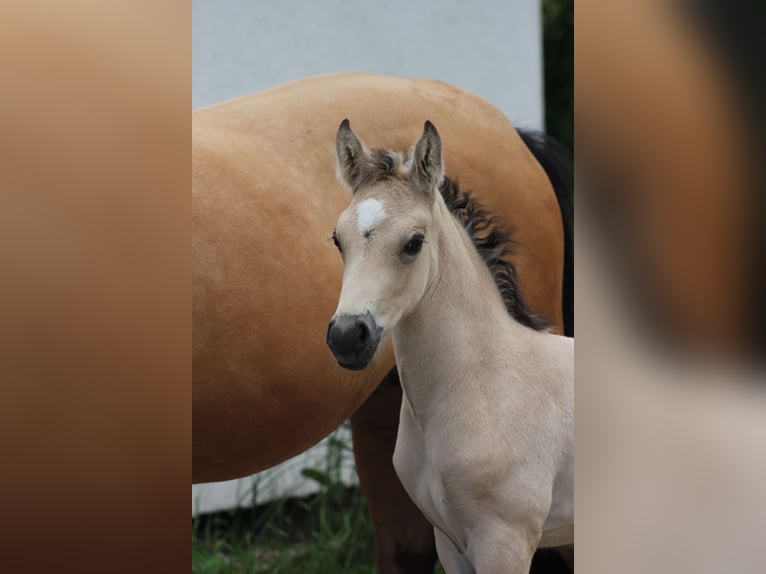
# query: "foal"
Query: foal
485,440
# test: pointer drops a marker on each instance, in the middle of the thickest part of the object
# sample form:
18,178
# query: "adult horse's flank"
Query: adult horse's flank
485,443
264,197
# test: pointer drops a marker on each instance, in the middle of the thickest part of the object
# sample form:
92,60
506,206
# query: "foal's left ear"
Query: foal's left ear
427,164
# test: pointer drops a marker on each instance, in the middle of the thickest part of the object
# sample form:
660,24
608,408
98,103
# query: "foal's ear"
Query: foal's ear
427,164
352,155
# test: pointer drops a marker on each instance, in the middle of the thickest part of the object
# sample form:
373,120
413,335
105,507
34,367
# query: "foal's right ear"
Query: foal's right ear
352,155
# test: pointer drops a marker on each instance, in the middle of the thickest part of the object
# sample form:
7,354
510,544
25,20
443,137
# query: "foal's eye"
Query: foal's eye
414,245
336,242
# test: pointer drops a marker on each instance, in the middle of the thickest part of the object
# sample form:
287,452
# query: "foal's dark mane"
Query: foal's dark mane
492,239
495,244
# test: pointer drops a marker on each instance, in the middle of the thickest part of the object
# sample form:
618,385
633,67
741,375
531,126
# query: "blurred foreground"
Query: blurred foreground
670,400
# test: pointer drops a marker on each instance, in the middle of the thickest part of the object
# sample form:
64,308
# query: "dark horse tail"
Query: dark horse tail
557,163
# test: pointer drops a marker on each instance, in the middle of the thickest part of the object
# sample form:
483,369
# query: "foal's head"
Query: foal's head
385,239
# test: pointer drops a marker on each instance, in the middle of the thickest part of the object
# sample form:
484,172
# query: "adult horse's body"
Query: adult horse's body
265,385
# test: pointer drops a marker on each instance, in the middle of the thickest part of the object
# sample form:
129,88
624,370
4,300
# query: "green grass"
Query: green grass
327,532
330,531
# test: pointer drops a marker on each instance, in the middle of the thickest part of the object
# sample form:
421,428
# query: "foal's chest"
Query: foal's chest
419,475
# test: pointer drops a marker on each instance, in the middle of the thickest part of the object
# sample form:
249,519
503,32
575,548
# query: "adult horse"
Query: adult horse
266,275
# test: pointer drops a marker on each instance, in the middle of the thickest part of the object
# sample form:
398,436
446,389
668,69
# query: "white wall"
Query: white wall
285,479
490,47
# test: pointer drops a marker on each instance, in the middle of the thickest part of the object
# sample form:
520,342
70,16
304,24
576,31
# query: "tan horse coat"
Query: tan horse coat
266,276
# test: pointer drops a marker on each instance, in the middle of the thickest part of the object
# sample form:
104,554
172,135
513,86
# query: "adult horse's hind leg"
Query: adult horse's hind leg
553,560
404,539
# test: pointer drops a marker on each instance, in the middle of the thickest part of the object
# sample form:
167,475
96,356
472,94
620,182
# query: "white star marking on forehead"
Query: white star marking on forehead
368,214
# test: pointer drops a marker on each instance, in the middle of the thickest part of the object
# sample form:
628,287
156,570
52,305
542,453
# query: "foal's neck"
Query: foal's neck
460,322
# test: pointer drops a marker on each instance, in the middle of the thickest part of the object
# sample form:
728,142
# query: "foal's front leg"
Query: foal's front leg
404,539
450,557
500,549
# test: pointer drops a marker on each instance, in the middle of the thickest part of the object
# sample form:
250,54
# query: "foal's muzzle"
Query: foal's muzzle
353,340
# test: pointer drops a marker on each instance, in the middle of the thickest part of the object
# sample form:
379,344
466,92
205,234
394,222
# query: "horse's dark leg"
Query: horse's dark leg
558,560
567,555
404,539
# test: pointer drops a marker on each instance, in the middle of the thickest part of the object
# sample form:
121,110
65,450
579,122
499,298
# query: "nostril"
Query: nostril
363,334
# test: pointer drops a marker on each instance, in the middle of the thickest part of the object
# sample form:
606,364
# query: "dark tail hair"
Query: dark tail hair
557,163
